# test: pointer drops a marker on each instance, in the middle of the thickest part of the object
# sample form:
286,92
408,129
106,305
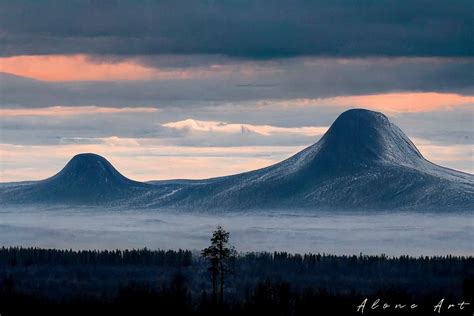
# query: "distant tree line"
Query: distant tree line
34,256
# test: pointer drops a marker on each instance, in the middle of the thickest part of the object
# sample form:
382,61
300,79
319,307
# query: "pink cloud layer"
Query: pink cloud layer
73,68
392,103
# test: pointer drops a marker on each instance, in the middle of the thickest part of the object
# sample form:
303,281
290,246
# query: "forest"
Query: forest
159,282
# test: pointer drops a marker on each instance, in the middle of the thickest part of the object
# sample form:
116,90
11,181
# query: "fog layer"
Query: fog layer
335,233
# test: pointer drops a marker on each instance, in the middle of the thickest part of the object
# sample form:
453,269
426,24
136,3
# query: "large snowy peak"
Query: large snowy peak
359,138
363,162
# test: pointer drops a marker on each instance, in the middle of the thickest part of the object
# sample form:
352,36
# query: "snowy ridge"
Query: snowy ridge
363,162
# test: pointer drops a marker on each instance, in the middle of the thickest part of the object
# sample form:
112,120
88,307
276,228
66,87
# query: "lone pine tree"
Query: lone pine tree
219,254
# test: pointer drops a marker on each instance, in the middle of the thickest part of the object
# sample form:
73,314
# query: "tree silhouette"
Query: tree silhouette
219,254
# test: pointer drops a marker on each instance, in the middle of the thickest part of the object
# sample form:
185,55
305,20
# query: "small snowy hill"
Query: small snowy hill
363,162
86,178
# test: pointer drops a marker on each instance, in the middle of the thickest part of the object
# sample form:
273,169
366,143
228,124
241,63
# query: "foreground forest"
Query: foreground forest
153,282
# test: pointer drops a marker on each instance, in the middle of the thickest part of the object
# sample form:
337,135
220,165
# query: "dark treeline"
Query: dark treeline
12,256
178,282
28,256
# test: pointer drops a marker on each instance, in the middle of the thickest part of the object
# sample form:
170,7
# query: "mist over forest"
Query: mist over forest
374,233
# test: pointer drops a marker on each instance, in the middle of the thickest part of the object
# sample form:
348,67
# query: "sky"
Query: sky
197,89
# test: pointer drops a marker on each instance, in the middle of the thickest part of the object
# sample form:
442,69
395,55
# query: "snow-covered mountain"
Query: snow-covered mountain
363,162
86,179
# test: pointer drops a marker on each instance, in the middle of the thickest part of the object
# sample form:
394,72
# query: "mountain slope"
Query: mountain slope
87,178
362,162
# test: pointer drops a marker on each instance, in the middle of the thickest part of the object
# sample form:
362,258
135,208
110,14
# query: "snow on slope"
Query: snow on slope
362,162
86,178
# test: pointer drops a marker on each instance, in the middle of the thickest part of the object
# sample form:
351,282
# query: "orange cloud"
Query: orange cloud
73,68
387,102
405,102
70,111
83,68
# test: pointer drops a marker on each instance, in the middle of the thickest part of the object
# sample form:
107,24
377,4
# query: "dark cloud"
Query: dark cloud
277,80
246,28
